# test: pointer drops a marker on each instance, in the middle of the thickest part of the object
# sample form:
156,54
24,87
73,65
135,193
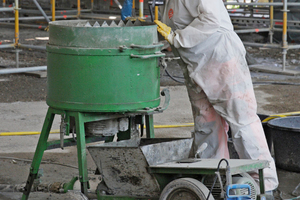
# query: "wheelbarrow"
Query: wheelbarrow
165,168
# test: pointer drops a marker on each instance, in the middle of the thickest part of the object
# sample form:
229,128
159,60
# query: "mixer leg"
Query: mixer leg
81,152
41,147
261,181
149,126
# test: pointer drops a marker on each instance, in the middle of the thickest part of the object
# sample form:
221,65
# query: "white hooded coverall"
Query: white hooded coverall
218,82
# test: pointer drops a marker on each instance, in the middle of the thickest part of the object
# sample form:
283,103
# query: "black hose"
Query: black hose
215,179
172,77
274,83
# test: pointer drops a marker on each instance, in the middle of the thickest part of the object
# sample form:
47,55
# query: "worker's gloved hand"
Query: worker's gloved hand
165,31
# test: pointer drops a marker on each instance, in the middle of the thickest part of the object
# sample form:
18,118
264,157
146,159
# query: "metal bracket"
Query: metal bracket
166,93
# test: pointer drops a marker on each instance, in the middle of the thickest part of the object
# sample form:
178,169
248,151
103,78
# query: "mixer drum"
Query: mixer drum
103,68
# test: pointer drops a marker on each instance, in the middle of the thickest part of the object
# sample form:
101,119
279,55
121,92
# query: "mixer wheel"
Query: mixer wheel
185,189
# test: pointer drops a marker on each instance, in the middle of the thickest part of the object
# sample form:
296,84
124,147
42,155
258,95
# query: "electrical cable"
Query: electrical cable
42,162
215,179
175,76
172,77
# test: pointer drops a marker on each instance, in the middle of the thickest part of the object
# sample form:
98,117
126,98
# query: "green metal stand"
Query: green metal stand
80,119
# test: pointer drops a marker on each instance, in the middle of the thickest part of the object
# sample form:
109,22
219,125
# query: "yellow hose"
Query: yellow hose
155,126
281,115
24,133
57,131
173,126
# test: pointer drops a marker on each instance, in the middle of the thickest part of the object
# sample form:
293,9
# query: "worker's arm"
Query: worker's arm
207,14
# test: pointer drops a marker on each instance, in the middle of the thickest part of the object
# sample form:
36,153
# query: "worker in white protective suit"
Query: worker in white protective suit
218,81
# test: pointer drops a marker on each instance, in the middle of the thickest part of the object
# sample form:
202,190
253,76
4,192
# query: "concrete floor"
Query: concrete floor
28,116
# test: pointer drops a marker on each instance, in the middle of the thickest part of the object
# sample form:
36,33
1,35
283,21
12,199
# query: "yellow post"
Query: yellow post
271,21
78,8
133,8
141,8
4,2
156,13
284,34
53,9
16,23
284,26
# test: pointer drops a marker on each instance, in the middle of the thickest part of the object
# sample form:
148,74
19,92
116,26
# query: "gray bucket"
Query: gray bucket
286,138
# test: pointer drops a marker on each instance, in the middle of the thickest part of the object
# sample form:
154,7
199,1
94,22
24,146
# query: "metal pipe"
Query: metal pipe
41,10
284,52
17,57
272,46
251,9
4,46
92,5
30,11
271,33
24,25
16,22
96,17
3,3
6,9
118,4
53,9
284,34
256,30
141,8
35,18
262,4
288,30
23,69
32,46
294,46
260,21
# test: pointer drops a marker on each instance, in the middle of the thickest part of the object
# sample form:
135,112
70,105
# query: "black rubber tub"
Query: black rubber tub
267,131
286,140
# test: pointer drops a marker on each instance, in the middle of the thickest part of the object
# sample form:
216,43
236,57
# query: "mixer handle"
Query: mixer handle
156,55
147,46
166,93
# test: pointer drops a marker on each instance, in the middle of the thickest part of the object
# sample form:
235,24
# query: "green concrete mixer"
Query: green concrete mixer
103,78
103,69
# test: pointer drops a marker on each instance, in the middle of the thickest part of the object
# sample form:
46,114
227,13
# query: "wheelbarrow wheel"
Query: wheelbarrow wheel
185,189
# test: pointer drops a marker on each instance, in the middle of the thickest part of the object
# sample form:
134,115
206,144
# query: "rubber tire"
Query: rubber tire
190,184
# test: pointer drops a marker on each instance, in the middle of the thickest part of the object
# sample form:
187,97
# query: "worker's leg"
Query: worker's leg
254,146
232,96
210,127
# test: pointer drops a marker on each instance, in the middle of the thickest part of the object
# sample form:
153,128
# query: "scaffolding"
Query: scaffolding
238,16
248,17
67,14
17,45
